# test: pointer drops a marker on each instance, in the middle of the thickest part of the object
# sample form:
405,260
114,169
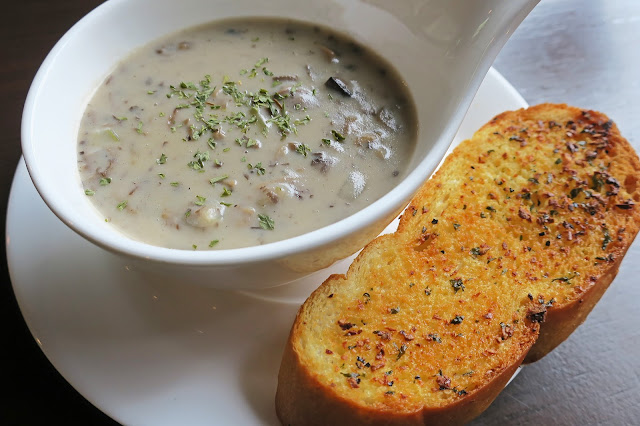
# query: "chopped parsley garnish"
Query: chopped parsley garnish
200,158
213,243
337,135
121,206
200,200
303,149
162,159
217,179
89,192
266,222
258,168
105,181
304,120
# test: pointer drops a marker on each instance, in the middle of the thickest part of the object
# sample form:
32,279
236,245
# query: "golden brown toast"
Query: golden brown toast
497,259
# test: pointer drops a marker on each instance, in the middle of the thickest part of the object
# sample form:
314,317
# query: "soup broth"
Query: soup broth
241,133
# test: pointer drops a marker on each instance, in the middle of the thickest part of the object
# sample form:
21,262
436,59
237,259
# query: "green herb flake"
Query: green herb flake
200,200
303,149
174,184
225,192
200,158
162,159
337,135
213,243
401,351
303,121
218,179
112,134
566,279
596,182
575,191
89,192
607,238
105,181
261,62
258,168
266,222
457,284
458,319
121,206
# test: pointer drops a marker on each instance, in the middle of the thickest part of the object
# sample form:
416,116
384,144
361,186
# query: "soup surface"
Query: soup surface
242,133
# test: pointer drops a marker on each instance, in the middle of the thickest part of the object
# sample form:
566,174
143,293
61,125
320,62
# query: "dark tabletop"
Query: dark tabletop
582,52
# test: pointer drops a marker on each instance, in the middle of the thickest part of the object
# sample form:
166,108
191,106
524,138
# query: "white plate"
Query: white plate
149,352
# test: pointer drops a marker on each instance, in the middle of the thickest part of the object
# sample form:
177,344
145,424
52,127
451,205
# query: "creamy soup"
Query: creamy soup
241,133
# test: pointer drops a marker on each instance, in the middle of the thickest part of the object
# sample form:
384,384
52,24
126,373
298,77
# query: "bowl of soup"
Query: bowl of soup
244,144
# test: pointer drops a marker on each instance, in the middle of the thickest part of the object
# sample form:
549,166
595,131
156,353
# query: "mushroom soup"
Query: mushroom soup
242,133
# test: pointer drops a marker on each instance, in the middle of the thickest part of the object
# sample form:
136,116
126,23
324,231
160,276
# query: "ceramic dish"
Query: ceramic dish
148,351
441,49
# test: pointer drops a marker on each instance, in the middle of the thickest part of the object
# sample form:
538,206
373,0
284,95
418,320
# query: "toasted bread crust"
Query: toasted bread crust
319,407
498,257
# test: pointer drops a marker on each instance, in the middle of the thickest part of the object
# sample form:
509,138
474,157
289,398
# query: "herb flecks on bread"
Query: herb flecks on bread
500,256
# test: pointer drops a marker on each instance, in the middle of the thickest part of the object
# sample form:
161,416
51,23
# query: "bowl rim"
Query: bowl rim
387,205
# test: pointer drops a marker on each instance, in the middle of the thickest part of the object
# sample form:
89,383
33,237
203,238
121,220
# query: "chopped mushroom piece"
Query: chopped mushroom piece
285,78
339,85
330,54
323,160
206,216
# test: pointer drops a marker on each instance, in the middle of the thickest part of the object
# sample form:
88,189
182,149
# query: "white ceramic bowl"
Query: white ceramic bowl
441,48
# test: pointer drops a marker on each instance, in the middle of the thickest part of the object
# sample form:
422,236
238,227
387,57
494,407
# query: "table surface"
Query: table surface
584,53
